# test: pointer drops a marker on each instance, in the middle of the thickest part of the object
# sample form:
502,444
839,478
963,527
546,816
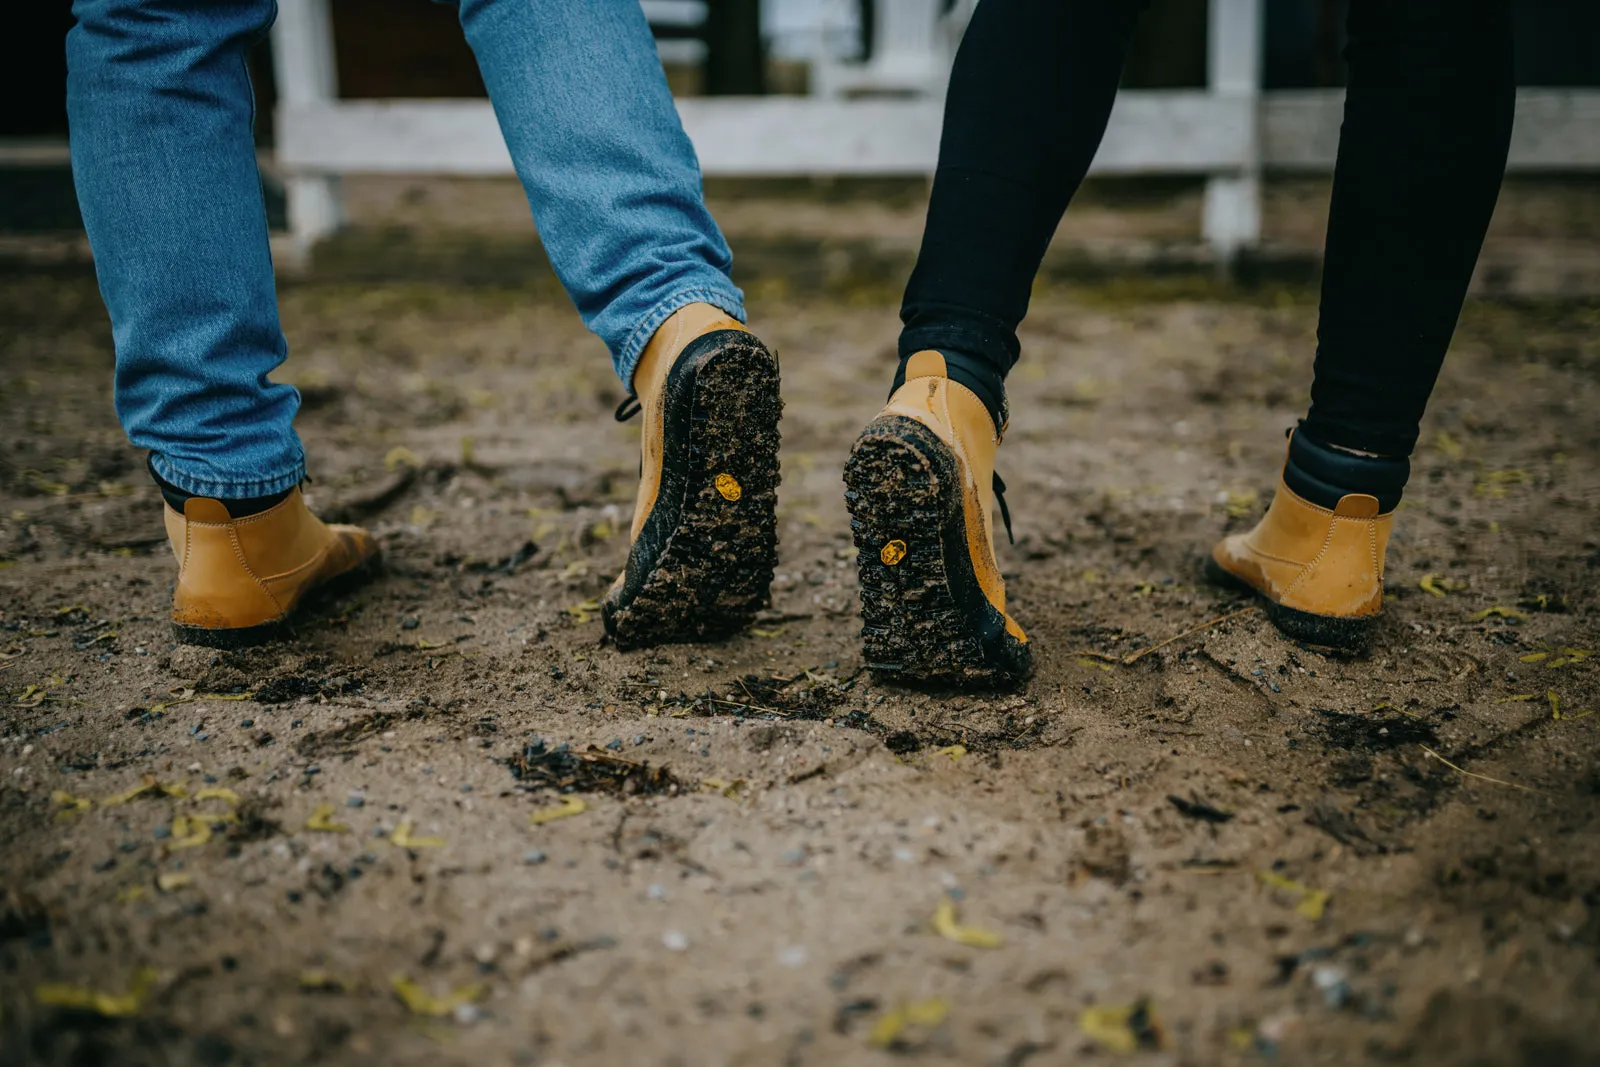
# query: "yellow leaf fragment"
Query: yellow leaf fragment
1085,661
723,786
1533,657
401,456
1517,698
1312,903
321,821
218,792
129,893
1243,505
189,832
83,998
946,926
568,807
584,611
68,805
172,881
893,1023
1431,584
1498,612
402,836
1123,1028
317,980
419,1002
756,631
1449,446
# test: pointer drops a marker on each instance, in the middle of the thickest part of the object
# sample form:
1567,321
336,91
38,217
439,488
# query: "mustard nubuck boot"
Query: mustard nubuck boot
240,581
920,487
704,538
1318,570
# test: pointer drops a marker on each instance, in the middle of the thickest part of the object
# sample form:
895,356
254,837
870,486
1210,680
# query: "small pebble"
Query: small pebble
466,788
656,891
638,739
467,1014
534,856
248,723
615,744
106,864
162,832
355,800
793,956
676,940
410,624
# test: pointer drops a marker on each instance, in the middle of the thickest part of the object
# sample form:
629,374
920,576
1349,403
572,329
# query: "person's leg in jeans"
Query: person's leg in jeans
160,112
615,190
1421,155
1029,98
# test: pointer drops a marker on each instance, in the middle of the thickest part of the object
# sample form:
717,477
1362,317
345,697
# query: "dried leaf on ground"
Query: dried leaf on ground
1311,903
947,927
419,1001
321,821
1124,1028
403,837
568,807
890,1029
68,805
83,998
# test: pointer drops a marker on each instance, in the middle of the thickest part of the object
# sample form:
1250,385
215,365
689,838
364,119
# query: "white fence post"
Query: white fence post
302,54
1232,215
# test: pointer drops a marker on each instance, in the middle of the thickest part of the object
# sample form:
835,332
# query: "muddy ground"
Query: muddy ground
1278,856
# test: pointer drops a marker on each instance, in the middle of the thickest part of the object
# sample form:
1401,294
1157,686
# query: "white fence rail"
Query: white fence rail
1229,132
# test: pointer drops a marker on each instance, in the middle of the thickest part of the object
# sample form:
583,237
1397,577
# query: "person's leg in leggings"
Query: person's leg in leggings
1030,94
160,108
610,174
1426,129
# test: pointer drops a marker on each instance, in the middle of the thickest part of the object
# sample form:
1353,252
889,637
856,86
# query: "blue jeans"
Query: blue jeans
160,108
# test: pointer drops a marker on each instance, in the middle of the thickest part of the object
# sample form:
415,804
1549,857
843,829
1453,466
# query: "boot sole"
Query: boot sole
1330,631
924,618
702,565
233,638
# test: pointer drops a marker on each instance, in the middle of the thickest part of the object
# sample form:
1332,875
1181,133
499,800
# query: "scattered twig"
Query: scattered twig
1481,777
748,707
1135,657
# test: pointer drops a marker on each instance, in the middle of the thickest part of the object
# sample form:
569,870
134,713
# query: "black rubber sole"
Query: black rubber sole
235,638
702,565
1329,631
924,618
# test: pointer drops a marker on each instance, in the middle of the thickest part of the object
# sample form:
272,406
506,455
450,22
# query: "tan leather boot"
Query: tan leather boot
240,580
920,488
1320,572
705,522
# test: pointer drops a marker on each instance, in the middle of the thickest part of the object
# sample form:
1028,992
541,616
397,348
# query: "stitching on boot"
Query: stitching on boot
238,551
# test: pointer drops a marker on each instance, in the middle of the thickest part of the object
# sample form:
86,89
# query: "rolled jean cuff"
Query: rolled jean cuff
725,296
238,489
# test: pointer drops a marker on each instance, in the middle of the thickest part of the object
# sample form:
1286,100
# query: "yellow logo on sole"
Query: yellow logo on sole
729,487
893,552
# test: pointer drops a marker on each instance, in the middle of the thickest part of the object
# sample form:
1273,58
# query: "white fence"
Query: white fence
1228,131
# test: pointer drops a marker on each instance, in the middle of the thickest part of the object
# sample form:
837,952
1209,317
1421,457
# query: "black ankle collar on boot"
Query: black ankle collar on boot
1321,474
239,508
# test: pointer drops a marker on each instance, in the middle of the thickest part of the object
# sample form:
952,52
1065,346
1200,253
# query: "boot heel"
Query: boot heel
924,618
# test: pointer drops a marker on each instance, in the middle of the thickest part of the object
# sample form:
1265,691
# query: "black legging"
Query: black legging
1423,148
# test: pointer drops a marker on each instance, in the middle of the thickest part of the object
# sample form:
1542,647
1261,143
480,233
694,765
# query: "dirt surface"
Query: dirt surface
1251,846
